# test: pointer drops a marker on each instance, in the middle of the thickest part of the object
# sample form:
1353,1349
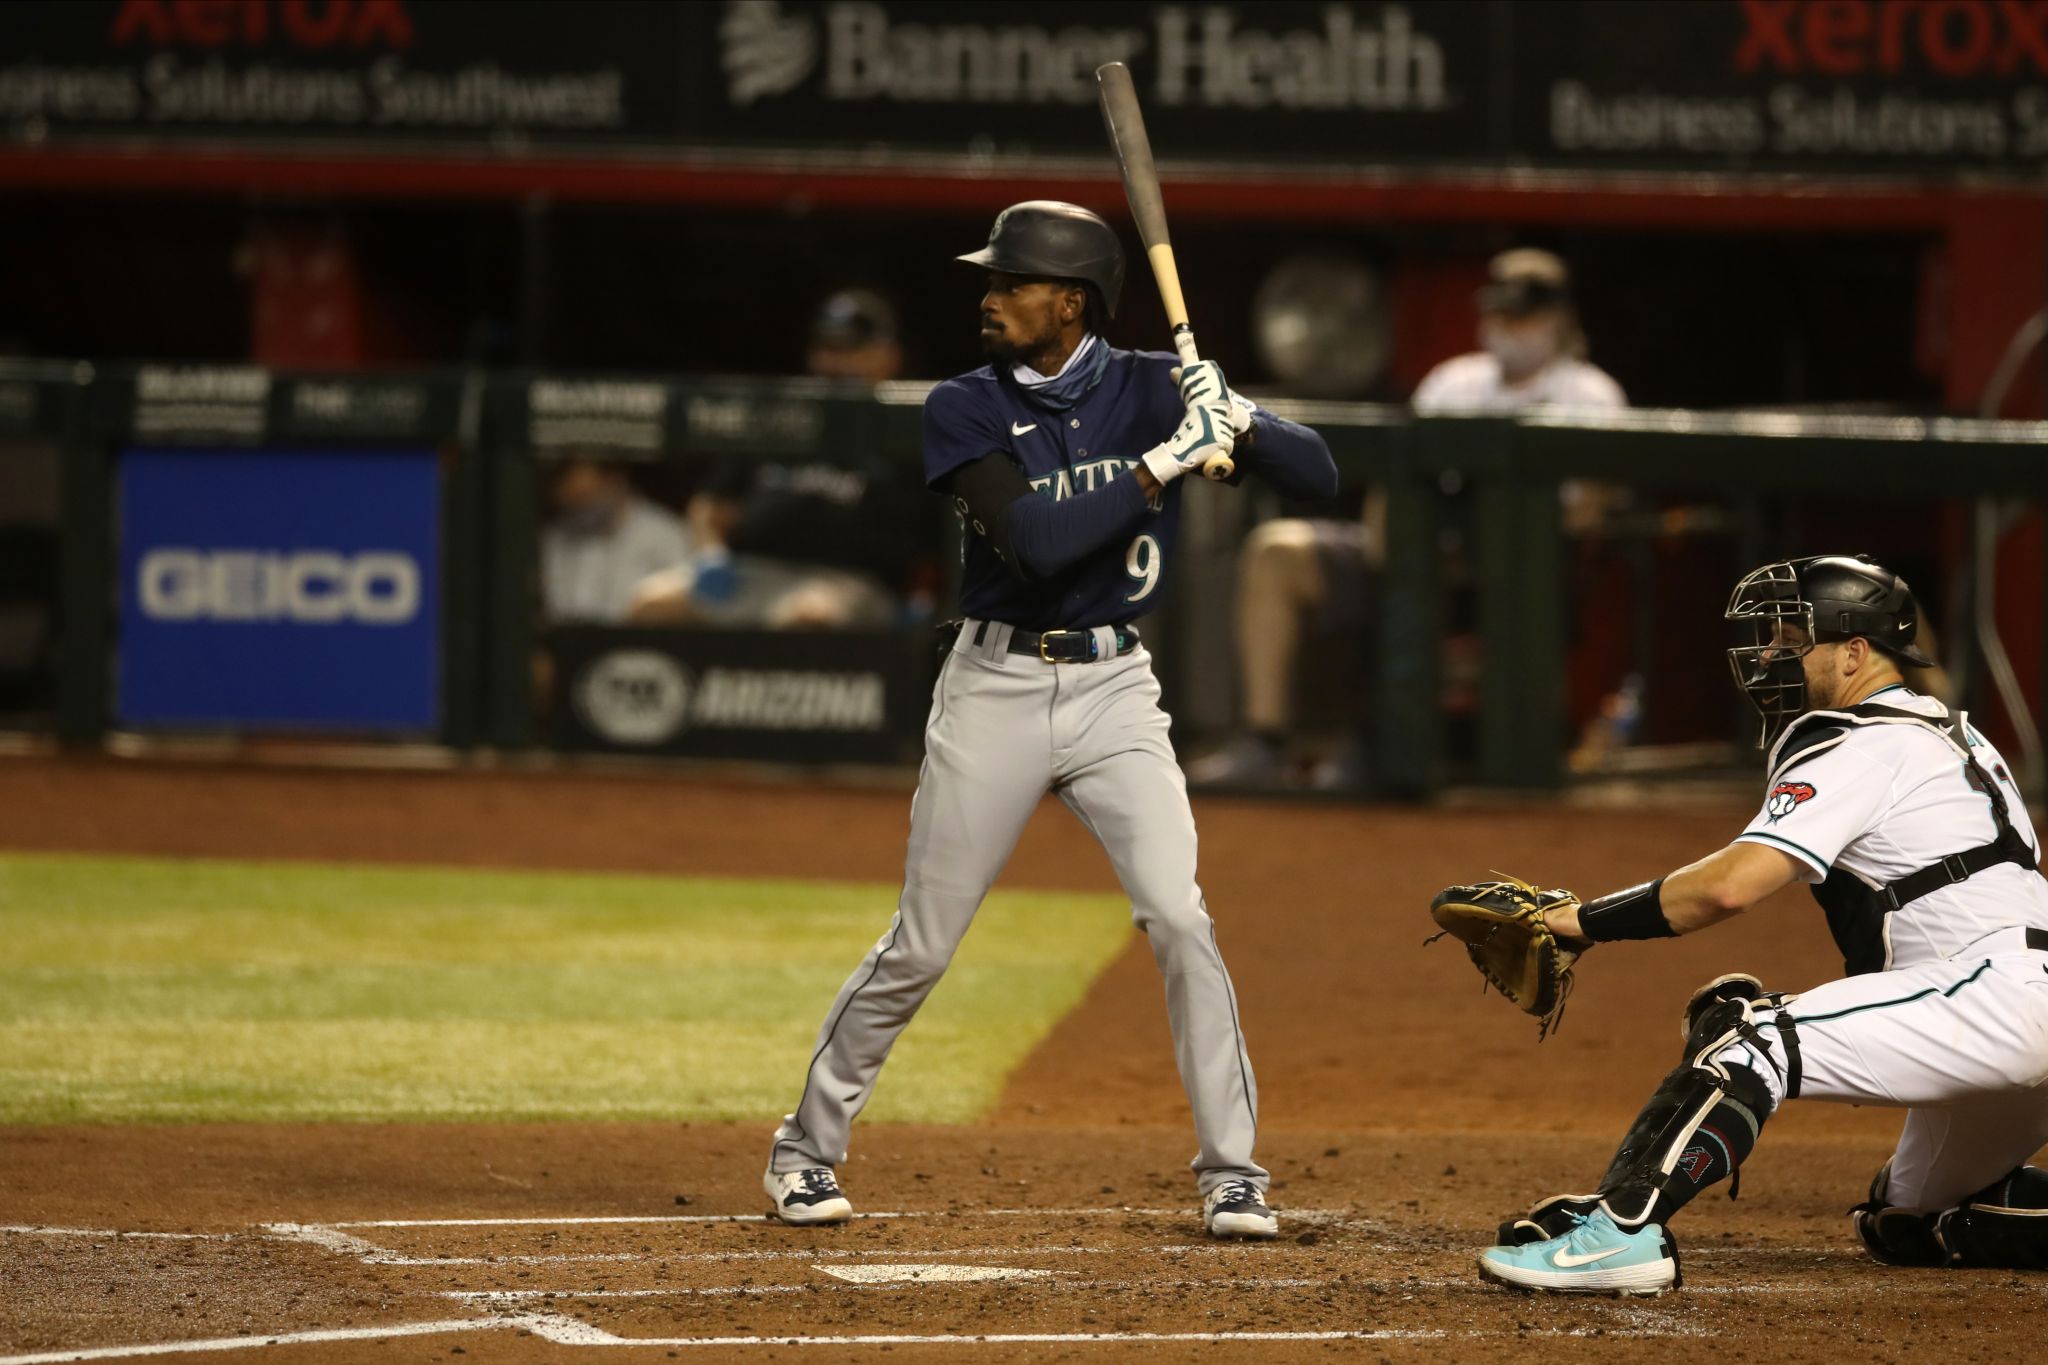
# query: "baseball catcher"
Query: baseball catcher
1906,823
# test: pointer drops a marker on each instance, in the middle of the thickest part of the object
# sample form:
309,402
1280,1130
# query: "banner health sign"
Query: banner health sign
280,590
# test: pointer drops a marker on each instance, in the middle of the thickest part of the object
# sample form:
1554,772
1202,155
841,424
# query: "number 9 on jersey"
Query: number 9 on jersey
1141,562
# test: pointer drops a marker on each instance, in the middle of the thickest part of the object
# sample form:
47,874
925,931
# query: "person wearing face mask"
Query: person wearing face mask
1532,353
603,539
1301,577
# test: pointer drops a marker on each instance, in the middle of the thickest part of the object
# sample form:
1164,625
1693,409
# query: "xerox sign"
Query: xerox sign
280,590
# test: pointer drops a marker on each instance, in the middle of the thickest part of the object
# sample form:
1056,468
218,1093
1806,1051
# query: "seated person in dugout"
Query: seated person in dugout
603,538
1298,576
805,544
1907,824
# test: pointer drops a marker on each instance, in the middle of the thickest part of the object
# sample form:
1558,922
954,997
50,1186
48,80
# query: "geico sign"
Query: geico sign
314,587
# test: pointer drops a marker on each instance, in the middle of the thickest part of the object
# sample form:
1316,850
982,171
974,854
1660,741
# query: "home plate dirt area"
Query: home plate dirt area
1060,1245
1403,1116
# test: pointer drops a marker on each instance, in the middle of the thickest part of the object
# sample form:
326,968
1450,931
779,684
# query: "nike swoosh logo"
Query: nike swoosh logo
1565,1260
1016,430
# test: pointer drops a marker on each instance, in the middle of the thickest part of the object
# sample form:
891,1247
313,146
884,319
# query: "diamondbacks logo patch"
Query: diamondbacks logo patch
1787,797
1695,1161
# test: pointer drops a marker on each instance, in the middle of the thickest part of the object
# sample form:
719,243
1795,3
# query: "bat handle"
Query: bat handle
1216,466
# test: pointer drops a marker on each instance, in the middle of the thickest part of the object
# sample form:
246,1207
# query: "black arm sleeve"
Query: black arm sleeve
1034,536
983,493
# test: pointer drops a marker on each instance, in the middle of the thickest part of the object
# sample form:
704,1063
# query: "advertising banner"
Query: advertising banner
280,590
783,697
1932,88
366,70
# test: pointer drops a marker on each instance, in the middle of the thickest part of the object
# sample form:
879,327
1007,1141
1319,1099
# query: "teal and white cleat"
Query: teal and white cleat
1594,1257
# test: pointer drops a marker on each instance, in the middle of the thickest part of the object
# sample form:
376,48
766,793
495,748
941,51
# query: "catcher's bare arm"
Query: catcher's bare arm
1717,887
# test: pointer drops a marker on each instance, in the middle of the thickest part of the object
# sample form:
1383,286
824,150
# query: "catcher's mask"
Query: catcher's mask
1786,608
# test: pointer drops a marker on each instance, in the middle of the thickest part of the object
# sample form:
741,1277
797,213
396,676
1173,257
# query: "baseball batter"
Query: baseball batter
1063,456
1908,826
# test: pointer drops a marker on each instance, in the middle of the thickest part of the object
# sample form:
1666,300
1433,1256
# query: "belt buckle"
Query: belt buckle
1957,870
1043,636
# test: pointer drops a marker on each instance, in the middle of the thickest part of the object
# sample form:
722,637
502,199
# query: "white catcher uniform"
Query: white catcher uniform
1946,1015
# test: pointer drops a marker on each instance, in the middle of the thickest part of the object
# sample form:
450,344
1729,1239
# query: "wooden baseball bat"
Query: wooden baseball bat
1126,125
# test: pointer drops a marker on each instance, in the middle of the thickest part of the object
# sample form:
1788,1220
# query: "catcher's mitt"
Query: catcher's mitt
1501,925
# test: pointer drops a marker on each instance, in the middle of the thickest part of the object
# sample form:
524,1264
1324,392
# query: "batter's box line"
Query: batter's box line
565,1331
1311,1216
369,1253
114,1234
500,1298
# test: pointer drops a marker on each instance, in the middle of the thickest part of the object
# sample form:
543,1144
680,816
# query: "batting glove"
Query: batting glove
1242,410
1198,382
1202,435
1202,382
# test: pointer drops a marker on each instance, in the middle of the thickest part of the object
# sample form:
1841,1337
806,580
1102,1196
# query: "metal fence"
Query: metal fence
1490,488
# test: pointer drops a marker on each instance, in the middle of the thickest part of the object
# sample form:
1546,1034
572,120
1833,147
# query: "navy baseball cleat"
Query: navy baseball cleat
1236,1209
804,1198
1596,1256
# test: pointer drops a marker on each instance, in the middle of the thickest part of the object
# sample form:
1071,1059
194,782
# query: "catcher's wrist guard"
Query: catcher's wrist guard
1637,912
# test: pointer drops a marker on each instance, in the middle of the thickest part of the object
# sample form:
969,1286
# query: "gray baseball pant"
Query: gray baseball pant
1004,729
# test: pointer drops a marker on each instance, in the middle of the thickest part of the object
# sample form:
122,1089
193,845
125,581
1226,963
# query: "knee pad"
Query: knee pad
2003,1226
1712,996
1894,1235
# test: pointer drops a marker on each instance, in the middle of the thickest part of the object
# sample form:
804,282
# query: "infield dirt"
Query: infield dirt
1403,1116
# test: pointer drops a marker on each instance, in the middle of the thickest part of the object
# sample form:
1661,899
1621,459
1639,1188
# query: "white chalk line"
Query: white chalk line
502,1297
561,1331
36,1230
165,1348
896,1253
330,1238
1286,1215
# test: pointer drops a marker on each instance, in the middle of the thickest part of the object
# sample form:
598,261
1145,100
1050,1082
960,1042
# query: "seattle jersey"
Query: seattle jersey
1891,798
1062,453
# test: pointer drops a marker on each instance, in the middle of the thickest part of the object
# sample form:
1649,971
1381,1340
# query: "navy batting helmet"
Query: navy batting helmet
1794,604
1047,238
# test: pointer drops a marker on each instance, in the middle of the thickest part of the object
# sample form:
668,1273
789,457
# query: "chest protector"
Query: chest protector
1857,908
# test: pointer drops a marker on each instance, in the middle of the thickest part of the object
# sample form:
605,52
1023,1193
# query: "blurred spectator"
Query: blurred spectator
854,337
1531,354
1299,576
803,544
602,540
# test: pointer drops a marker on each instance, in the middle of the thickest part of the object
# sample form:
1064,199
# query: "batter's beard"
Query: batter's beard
998,348
1002,348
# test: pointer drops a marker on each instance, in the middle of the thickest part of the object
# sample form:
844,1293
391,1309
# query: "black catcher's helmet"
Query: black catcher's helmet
1823,598
1050,239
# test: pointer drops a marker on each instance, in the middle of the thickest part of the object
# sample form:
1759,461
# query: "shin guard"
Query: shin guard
1699,1126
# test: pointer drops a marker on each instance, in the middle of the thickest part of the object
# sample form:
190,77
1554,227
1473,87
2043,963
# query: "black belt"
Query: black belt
2037,939
1070,646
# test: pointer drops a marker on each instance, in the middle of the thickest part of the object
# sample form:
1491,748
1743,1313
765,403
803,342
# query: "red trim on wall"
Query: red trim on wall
1665,201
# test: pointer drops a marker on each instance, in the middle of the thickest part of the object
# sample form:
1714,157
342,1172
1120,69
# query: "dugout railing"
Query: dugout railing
494,435
1732,459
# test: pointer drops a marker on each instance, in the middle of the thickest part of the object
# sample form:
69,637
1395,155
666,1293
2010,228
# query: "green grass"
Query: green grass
151,990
